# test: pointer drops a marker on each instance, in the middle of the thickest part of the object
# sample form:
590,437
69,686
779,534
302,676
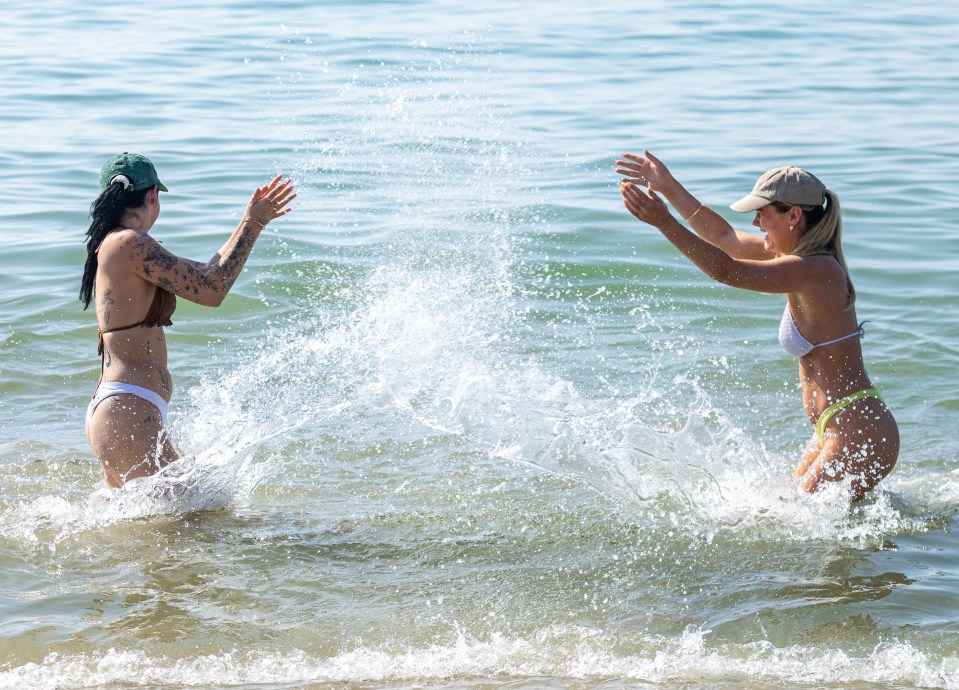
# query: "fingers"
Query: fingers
642,203
632,160
629,173
633,198
271,187
275,186
631,190
633,165
279,194
272,200
282,207
634,208
634,168
261,192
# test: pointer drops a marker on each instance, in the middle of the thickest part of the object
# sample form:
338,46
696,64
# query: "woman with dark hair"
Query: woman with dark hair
856,437
134,283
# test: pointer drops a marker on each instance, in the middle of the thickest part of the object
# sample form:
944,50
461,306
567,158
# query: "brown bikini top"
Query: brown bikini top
161,309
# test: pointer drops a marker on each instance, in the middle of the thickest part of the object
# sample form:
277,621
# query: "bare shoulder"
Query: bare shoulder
826,279
825,267
786,273
134,240
819,267
125,244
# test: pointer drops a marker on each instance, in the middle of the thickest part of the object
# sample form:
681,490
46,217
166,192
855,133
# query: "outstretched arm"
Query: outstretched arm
782,274
208,284
650,172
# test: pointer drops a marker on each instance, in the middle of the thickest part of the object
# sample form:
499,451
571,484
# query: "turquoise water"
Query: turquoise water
462,422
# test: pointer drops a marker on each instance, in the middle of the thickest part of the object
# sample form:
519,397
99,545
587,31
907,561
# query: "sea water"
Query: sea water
462,421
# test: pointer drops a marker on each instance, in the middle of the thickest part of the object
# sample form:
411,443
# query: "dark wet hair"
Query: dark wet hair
105,214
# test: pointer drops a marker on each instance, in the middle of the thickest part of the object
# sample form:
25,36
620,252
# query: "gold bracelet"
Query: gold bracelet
247,219
693,215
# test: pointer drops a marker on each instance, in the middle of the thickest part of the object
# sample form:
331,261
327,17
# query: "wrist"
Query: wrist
670,187
253,221
669,225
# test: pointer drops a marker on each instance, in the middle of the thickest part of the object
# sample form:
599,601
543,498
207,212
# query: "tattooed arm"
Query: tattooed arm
208,284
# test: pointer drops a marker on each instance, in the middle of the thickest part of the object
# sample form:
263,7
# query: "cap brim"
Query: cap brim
162,187
750,202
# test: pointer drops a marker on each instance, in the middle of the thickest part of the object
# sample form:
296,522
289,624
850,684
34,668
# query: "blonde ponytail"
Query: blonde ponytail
824,236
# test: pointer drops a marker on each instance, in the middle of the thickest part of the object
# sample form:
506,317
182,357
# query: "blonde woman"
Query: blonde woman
134,282
856,438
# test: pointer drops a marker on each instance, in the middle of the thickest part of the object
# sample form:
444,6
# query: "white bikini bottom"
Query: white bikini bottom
107,389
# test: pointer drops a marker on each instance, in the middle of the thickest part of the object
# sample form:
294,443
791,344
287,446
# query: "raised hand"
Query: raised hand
645,205
271,201
646,170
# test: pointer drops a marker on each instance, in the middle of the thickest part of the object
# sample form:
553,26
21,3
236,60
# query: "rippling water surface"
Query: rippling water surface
461,422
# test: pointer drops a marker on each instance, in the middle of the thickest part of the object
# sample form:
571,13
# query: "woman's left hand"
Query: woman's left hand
645,205
271,201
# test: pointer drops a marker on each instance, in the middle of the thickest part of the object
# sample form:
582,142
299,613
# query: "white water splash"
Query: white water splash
221,476
556,652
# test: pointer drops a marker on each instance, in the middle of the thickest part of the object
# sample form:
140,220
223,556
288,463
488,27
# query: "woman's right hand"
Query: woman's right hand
646,170
271,201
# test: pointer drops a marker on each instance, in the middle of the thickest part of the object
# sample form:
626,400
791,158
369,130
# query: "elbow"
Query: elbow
726,272
215,299
721,274
210,298
213,292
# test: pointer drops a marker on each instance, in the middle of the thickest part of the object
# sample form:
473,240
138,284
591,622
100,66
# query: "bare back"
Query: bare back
135,355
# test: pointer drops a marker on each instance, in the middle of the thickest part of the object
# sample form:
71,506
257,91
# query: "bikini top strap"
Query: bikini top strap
114,330
860,332
162,306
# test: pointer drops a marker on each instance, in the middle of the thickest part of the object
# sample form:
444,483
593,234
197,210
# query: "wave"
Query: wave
579,655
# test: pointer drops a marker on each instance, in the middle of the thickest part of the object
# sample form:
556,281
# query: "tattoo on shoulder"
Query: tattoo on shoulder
152,254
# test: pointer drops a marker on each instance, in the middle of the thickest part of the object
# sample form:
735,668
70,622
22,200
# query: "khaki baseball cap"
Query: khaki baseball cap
136,168
789,184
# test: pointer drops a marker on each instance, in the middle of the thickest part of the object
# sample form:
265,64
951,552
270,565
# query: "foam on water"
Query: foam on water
222,475
225,454
557,652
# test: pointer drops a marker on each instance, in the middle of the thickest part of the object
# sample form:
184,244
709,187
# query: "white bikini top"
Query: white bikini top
795,344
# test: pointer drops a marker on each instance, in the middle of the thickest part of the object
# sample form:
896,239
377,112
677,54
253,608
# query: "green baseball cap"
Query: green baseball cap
137,169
